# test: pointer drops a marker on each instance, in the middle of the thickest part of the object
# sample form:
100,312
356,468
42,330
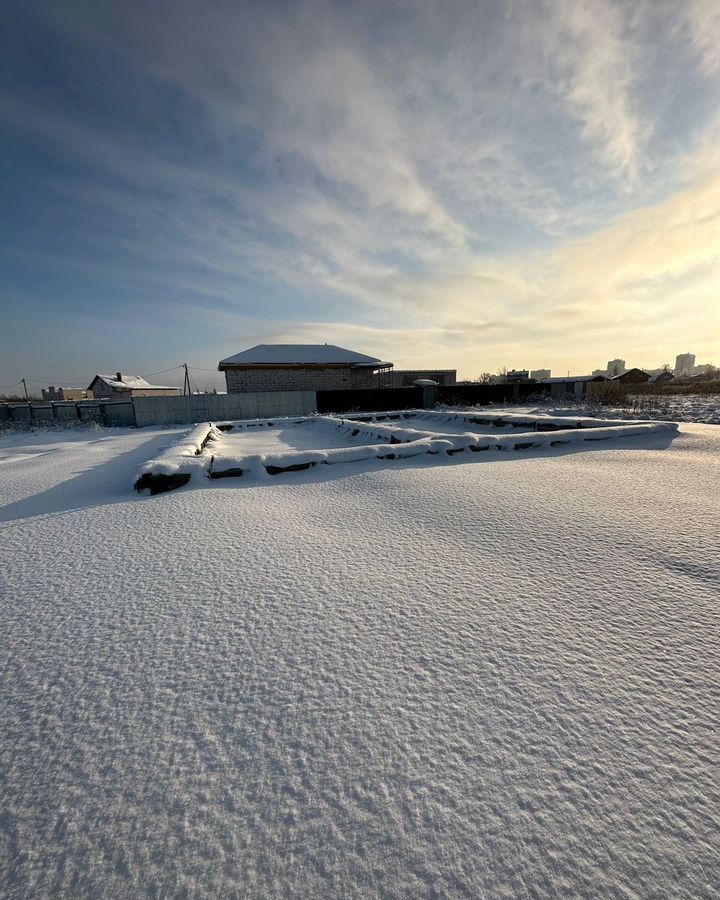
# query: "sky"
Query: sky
471,185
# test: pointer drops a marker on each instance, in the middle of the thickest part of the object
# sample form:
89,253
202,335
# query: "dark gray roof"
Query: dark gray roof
298,354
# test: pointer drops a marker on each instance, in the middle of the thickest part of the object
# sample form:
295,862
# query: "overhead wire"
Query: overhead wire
163,371
42,380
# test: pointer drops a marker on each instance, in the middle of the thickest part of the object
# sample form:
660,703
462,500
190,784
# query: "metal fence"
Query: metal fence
371,399
216,407
182,410
103,412
469,394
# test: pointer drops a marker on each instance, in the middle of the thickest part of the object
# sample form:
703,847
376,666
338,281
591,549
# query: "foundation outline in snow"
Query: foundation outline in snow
207,448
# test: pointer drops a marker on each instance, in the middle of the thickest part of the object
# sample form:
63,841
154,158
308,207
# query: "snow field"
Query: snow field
496,680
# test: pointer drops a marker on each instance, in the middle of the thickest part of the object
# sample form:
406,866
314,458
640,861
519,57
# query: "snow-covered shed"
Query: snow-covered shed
122,387
302,367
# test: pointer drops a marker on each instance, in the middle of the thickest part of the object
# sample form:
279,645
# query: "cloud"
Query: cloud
703,17
593,64
477,178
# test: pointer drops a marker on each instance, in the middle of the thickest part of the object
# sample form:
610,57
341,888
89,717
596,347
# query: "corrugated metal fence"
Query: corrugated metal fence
217,407
110,412
142,411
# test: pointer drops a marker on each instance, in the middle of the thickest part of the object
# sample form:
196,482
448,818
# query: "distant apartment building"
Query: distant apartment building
684,364
539,374
615,367
59,393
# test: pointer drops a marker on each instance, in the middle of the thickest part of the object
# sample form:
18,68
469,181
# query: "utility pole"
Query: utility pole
30,409
186,386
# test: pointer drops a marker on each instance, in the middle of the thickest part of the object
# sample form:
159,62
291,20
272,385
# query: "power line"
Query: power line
43,380
163,371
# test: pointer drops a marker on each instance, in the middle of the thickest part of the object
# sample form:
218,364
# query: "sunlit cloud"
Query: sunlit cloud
459,186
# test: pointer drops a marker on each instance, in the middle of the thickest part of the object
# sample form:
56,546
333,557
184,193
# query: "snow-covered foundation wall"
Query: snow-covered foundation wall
207,451
174,467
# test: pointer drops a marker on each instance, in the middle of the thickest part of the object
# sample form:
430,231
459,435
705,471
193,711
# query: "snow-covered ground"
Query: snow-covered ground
493,675
700,408
682,407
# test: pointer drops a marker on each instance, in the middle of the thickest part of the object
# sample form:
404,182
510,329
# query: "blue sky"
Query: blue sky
461,184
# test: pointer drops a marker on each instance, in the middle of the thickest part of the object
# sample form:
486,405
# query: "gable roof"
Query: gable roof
297,355
131,383
623,376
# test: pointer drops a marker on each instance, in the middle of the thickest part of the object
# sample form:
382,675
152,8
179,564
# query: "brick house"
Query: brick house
302,367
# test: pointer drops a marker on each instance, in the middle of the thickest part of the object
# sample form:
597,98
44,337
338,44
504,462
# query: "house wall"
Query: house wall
298,378
102,390
174,392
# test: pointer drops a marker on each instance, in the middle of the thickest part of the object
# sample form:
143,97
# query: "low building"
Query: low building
59,393
539,374
513,376
303,367
408,377
576,386
123,387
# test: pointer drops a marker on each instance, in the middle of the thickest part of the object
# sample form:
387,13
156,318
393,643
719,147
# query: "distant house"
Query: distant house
123,387
663,377
60,393
302,367
407,377
632,376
